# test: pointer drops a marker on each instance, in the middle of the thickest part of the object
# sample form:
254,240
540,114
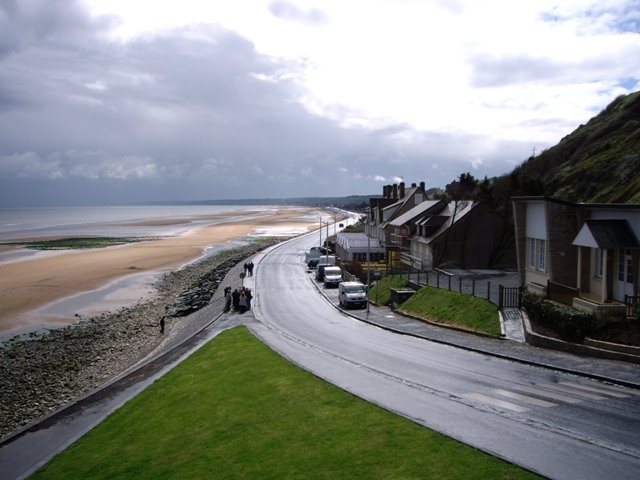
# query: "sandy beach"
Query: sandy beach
31,283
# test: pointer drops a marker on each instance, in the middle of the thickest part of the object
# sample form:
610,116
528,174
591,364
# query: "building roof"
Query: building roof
351,241
439,223
390,210
606,234
417,211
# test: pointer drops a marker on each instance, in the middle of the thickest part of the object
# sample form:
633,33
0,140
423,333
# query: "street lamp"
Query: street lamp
368,270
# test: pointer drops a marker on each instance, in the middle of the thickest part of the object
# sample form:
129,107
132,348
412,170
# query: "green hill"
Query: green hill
599,162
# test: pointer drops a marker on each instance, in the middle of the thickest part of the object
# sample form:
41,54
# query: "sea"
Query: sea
115,221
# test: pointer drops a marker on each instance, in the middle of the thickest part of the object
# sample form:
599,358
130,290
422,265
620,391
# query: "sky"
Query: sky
134,101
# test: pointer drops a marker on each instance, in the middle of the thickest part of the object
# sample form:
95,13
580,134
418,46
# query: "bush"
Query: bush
571,324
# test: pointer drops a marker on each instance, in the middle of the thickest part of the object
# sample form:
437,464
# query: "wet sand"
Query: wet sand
31,283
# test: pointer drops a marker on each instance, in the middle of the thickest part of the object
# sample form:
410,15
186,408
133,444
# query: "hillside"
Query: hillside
598,162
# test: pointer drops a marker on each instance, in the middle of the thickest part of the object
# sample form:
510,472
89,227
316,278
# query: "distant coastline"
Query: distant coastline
36,288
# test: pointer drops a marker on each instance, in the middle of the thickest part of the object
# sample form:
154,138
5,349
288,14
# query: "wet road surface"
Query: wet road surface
559,424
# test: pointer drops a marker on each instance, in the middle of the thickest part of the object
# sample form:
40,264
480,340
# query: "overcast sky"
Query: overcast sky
115,101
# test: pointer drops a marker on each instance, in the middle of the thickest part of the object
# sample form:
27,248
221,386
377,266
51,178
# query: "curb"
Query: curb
527,329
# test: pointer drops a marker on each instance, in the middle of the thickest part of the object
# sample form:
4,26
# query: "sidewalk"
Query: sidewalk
623,373
23,453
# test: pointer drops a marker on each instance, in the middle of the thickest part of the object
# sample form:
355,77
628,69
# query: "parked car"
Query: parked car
332,276
320,272
316,252
352,294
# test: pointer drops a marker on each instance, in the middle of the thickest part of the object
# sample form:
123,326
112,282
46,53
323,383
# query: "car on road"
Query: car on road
352,294
332,276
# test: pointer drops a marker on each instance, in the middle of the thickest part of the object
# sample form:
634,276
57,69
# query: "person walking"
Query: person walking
235,299
243,302
249,297
162,325
250,265
227,299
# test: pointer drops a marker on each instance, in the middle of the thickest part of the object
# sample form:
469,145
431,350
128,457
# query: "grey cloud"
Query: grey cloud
26,23
189,115
289,11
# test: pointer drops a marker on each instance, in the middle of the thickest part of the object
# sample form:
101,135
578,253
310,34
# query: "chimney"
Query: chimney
395,190
423,186
413,185
401,189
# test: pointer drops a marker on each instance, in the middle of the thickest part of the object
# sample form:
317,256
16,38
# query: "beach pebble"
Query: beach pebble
41,373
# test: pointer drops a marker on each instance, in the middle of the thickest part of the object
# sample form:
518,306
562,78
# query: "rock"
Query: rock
43,372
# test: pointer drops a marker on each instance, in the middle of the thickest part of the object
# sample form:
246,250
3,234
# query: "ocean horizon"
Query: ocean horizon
17,223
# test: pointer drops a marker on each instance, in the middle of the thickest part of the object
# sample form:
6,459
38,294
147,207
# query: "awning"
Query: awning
606,234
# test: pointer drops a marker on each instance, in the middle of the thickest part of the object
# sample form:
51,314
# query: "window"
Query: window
532,252
542,245
536,254
599,263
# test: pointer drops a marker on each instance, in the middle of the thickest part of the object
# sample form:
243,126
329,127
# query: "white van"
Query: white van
332,276
352,294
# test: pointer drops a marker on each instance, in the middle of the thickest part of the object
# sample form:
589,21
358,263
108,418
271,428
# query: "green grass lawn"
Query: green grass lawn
454,308
381,291
236,409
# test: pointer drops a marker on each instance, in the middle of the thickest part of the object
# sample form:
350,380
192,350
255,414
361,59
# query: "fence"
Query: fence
506,293
632,302
510,297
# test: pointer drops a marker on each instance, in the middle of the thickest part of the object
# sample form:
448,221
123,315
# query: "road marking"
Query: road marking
525,398
604,390
496,402
547,394
573,391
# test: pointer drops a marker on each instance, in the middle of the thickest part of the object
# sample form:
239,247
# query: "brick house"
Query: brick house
396,201
585,255
421,233
465,234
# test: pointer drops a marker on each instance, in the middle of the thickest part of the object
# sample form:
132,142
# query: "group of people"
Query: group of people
238,299
248,268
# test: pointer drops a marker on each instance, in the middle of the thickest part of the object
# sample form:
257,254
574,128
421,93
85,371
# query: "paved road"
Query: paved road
558,424
549,421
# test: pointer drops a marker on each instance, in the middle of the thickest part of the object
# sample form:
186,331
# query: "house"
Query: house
581,254
354,247
421,233
396,201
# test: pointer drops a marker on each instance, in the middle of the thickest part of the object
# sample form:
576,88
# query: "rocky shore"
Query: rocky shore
40,374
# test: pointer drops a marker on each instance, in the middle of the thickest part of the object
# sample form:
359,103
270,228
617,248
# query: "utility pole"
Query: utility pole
368,270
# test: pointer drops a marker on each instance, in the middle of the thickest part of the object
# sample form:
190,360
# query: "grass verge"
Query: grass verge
453,308
235,409
381,291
